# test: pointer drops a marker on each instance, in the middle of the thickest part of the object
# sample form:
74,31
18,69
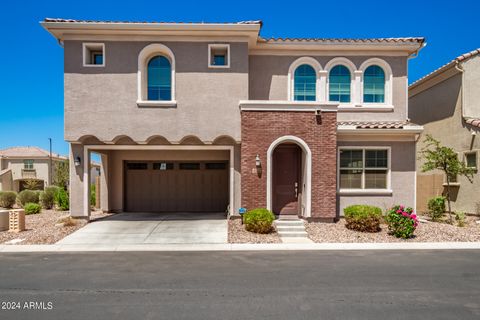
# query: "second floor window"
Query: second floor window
28,164
159,79
374,85
304,83
339,84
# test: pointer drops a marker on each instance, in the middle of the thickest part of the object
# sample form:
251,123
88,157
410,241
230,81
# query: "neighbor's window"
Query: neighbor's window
363,168
159,74
339,84
28,164
374,85
471,160
304,83
219,56
93,54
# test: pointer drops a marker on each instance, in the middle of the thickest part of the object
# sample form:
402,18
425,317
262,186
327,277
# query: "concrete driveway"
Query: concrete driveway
153,228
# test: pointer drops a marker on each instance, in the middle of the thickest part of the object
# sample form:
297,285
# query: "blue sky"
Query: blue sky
32,62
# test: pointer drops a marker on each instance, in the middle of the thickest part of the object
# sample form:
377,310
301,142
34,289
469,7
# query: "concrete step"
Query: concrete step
290,228
284,234
289,223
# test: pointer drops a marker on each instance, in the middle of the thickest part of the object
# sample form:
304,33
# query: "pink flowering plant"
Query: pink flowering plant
402,222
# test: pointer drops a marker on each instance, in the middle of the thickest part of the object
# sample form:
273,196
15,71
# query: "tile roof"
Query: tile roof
473,122
27,152
60,20
419,40
460,58
375,124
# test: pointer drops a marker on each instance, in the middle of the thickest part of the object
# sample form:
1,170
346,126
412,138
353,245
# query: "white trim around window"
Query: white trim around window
388,102
90,47
143,57
213,46
362,190
320,76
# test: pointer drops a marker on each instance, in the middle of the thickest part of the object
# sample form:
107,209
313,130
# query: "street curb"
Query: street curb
241,247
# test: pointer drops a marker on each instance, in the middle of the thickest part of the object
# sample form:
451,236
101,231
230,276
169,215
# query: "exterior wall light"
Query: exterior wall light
77,161
258,163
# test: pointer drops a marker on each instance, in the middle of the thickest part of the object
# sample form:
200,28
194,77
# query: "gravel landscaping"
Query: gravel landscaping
42,228
425,232
238,234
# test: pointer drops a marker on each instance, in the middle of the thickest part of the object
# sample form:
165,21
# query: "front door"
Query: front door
286,179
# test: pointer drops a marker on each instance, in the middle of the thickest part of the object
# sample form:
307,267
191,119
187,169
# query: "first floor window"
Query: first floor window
28,164
363,168
471,160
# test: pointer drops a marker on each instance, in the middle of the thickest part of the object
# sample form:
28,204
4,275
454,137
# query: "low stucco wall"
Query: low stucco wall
402,177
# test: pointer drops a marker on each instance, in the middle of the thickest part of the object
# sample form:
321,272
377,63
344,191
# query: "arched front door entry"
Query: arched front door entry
287,179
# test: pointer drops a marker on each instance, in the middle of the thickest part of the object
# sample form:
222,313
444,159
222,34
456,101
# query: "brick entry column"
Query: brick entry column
319,131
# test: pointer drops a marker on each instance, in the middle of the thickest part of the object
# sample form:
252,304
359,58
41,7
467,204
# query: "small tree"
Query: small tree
438,157
61,174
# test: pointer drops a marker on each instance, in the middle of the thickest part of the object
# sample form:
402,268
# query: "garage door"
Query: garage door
166,186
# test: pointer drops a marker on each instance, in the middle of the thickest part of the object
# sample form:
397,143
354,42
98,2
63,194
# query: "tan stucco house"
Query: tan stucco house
21,164
199,117
447,103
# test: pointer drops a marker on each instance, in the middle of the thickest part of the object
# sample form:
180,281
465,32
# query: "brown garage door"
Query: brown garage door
167,186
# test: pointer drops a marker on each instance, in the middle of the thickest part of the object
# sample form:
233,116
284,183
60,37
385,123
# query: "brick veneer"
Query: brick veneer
261,128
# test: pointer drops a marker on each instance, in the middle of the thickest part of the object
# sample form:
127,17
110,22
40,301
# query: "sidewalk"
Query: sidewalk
240,247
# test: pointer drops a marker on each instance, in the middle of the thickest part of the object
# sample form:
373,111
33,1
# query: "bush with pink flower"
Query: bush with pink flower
402,222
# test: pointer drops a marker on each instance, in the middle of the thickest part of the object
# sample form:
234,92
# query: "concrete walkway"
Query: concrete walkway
152,228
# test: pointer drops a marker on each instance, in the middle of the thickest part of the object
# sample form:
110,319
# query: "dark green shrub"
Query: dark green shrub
47,197
32,208
7,199
363,218
61,199
436,207
259,220
402,222
27,196
92,195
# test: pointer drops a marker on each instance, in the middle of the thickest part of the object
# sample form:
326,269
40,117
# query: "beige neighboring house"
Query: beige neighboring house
20,164
94,171
446,103
214,117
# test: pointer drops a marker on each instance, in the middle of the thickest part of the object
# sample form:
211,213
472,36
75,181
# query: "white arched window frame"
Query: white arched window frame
291,76
351,67
388,80
144,57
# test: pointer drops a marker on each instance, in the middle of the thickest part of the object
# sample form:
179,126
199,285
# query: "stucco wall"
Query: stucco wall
268,80
471,84
439,110
402,177
102,101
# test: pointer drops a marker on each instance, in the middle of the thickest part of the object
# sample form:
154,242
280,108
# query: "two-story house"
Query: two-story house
447,103
196,117
21,165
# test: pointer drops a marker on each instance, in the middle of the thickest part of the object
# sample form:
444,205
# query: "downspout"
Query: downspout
460,69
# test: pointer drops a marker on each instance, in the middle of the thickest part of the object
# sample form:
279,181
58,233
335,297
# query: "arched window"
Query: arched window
374,84
159,73
339,81
304,85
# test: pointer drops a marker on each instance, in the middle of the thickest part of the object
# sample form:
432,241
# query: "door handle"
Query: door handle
296,189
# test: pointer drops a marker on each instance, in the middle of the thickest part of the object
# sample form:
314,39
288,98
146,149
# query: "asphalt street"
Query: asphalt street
241,285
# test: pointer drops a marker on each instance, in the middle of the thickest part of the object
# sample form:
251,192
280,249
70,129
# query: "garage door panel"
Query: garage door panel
191,189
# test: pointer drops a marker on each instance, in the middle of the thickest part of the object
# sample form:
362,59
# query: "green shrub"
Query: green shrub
92,195
460,218
47,197
259,220
402,222
61,199
27,196
363,218
7,199
32,208
436,207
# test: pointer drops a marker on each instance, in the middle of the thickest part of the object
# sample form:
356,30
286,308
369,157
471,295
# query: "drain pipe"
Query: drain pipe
460,69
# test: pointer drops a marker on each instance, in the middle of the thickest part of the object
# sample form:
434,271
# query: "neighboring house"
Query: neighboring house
94,171
212,117
21,164
447,103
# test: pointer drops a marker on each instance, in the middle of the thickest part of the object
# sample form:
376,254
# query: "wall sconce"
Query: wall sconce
258,163
77,161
